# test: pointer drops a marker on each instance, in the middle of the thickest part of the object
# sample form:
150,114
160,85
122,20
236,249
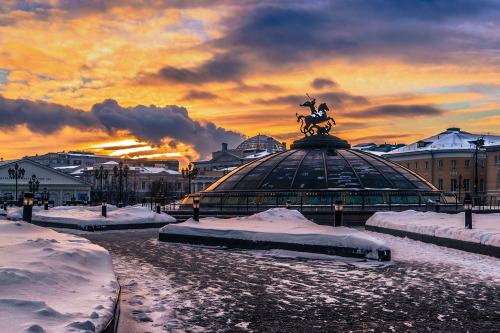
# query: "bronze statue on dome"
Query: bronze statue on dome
310,122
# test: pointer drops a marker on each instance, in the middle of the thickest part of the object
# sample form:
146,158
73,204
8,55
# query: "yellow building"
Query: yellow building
493,174
451,161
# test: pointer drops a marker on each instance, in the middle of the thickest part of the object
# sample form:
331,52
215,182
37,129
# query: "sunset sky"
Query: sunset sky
178,78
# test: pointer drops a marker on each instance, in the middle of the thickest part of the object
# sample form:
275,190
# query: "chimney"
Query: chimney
283,144
224,146
269,145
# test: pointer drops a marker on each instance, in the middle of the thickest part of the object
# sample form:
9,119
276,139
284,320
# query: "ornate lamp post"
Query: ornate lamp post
190,173
120,173
34,184
479,143
100,175
16,173
45,198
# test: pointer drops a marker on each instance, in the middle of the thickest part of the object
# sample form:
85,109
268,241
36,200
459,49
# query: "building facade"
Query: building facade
493,174
140,182
450,160
226,160
60,186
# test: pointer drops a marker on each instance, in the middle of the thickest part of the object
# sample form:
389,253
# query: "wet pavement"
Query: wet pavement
180,288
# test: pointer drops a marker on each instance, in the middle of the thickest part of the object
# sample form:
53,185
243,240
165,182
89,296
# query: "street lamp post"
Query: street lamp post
479,143
120,173
190,173
16,173
468,211
45,198
103,208
338,213
28,206
196,209
460,188
100,175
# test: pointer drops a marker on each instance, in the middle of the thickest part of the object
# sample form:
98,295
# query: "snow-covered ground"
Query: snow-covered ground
279,225
92,215
485,227
53,282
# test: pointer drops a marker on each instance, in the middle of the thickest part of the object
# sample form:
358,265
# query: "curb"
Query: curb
263,245
100,227
112,325
488,250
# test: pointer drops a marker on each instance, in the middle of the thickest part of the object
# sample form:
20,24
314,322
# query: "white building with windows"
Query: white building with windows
62,187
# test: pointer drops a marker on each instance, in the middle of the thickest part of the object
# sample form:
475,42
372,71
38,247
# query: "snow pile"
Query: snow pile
92,215
53,282
279,225
485,227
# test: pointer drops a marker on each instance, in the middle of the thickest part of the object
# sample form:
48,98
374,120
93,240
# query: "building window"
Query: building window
426,165
408,165
466,184
416,165
481,185
143,185
496,159
498,181
440,184
440,164
453,164
483,163
453,187
467,163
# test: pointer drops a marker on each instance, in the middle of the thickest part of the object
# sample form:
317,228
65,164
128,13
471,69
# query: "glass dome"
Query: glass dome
320,169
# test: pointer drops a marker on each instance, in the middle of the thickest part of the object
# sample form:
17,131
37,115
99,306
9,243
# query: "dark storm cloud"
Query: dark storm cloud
153,124
150,124
221,68
320,83
404,29
197,95
43,117
399,111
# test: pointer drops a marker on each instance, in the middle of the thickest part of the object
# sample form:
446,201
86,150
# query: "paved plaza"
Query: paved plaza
181,288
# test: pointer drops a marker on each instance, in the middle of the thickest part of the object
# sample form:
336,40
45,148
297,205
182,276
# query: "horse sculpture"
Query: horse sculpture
310,122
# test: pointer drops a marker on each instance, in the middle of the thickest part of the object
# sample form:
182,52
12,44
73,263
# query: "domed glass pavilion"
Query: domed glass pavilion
318,170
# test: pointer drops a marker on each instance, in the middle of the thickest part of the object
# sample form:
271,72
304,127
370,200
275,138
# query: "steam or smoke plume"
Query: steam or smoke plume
150,124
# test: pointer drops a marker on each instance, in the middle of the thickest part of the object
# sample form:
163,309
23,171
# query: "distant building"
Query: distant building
141,181
225,160
448,161
377,149
61,186
72,160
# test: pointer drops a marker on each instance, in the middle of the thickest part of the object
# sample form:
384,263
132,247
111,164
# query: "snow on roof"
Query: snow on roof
258,155
451,139
110,162
159,170
53,282
67,167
